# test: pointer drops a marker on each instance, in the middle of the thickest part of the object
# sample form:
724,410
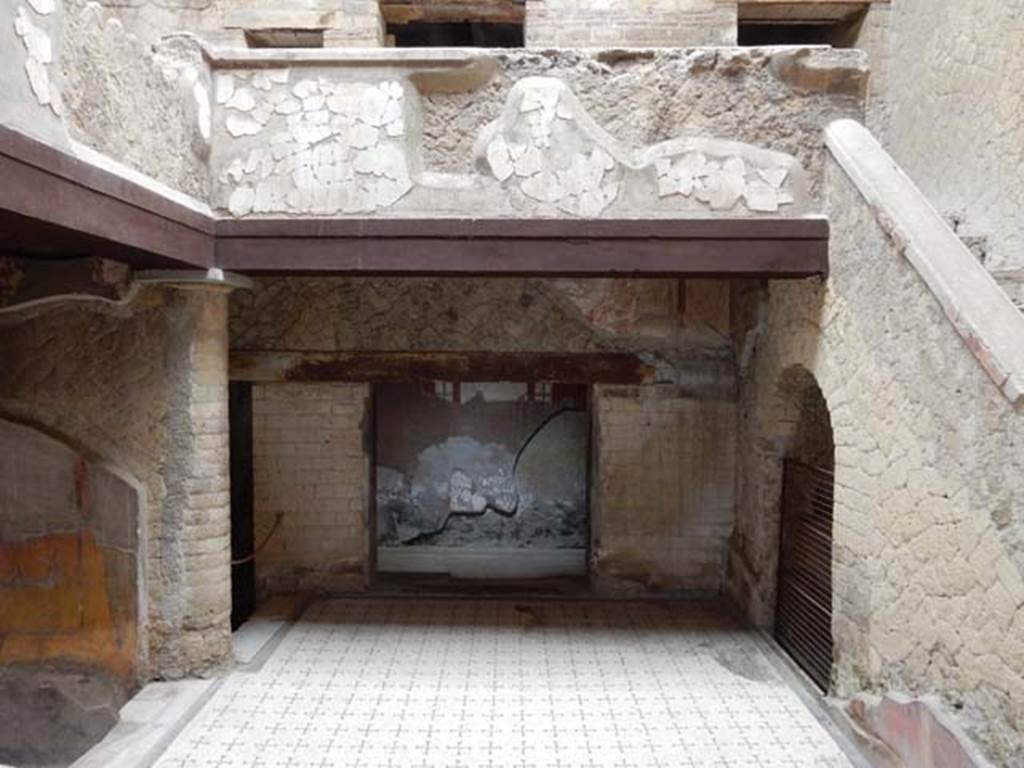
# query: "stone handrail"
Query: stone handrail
982,313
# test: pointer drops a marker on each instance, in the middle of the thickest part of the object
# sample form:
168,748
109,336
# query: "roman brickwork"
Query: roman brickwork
148,394
311,466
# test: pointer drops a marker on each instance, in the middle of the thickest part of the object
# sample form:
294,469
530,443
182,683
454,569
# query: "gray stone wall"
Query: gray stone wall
929,480
946,104
143,385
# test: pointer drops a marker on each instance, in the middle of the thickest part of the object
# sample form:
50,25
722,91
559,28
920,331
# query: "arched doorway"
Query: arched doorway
803,608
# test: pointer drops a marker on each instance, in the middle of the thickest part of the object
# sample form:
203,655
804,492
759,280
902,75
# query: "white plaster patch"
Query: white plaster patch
225,87
240,125
499,158
242,99
40,54
575,175
202,98
43,7
333,148
722,183
241,201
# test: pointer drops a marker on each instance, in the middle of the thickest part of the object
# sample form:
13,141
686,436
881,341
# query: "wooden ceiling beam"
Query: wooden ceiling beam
492,11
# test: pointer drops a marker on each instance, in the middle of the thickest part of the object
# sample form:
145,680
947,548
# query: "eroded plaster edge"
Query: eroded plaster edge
979,309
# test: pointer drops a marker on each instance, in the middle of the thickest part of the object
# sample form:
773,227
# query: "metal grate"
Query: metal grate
803,611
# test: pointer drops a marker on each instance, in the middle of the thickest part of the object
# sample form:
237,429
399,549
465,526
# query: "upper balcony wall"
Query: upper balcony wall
512,133
662,132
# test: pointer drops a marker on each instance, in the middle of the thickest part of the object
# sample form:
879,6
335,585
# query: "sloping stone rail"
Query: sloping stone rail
979,309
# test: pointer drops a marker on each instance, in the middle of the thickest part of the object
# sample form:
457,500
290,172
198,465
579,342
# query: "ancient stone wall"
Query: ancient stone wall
144,105
629,23
662,501
929,534
945,102
311,466
680,327
143,386
69,557
666,533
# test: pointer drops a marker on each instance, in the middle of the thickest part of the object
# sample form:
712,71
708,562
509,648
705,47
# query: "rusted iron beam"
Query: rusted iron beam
582,368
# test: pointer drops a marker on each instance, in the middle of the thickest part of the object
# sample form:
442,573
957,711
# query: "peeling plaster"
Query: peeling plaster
333,147
560,156
39,47
328,148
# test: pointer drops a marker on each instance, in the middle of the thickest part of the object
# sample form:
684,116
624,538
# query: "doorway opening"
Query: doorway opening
243,536
803,608
481,481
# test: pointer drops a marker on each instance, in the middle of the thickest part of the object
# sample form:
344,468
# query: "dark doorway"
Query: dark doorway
457,34
803,608
243,565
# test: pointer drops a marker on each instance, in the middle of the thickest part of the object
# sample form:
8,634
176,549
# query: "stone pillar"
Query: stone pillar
190,613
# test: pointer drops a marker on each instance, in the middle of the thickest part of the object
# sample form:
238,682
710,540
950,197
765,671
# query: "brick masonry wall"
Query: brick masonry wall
662,507
658,540
630,23
929,506
311,464
142,385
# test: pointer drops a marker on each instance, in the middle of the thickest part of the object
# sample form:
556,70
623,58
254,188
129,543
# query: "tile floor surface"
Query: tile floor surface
447,683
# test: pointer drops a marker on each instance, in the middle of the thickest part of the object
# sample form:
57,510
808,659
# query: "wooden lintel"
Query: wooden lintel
493,11
583,368
802,11
49,198
54,205
483,256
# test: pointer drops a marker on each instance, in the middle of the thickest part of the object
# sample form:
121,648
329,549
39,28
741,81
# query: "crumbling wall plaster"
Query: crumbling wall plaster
929,538
147,106
319,141
945,103
311,466
143,385
777,99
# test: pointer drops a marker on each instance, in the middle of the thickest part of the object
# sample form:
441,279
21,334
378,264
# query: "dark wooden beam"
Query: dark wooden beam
49,198
495,11
54,205
24,281
680,247
268,366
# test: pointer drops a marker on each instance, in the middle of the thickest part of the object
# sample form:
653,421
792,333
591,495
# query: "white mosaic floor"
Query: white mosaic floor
446,683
